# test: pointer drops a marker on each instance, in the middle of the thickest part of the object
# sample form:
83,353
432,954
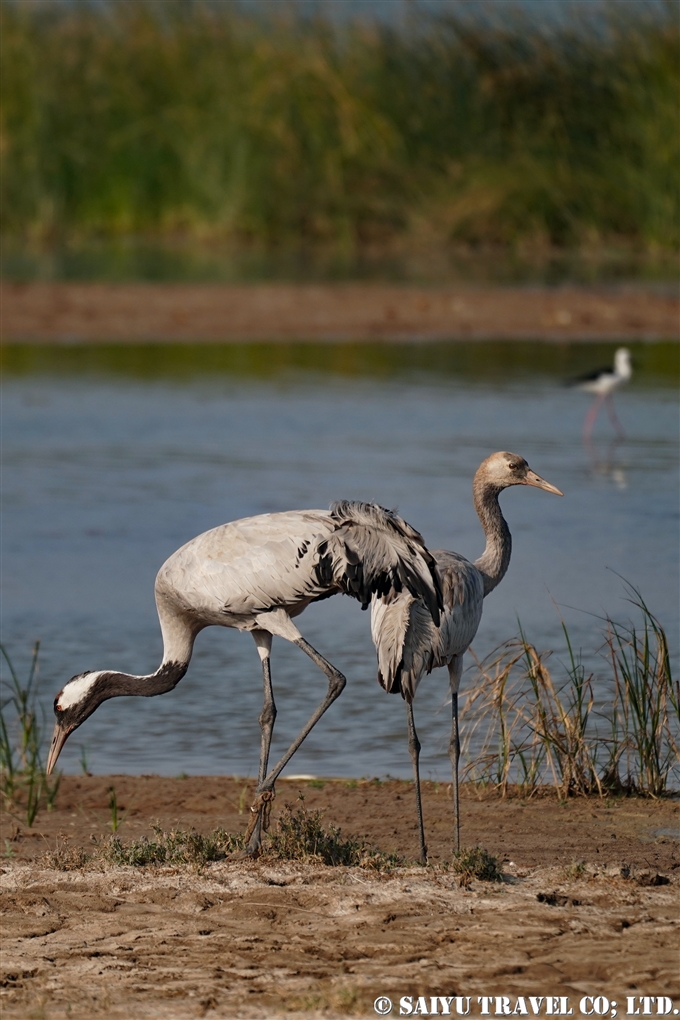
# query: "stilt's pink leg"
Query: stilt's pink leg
613,416
590,418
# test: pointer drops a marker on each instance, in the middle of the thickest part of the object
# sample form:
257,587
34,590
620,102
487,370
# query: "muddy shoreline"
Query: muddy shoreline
588,905
147,312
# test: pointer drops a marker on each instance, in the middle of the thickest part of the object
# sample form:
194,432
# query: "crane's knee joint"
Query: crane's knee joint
267,716
336,684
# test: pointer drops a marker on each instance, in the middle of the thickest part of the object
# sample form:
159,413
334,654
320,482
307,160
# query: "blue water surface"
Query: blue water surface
105,476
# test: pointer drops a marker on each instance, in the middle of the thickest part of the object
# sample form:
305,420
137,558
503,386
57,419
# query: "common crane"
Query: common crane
408,640
256,575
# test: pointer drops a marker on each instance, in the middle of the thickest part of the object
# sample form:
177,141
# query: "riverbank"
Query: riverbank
589,905
142,312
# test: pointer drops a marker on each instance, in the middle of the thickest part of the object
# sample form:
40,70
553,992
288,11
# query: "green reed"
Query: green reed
645,720
539,730
24,784
202,119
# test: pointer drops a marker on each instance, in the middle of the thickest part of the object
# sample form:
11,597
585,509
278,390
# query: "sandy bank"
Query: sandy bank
270,939
98,312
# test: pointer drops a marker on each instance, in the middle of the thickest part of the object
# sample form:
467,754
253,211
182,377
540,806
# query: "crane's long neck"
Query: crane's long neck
494,561
167,676
179,635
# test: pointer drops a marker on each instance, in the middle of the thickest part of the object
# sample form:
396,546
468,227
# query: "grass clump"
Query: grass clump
300,836
67,858
177,847
539,730
24,784
476,862
169,848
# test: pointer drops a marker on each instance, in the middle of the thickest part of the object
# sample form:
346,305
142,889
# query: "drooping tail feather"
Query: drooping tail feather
374,552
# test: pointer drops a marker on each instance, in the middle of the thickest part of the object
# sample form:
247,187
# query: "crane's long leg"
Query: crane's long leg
336,683
414,751
455,673
267,717
613,417
263,640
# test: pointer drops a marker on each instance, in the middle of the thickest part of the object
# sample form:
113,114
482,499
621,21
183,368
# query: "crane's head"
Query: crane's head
503,469
74,703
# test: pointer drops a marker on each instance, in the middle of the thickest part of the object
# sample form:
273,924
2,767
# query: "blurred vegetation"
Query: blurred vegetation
200,119
655,364
162,258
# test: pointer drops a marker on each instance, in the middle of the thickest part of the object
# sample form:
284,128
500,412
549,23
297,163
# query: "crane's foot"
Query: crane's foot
259,823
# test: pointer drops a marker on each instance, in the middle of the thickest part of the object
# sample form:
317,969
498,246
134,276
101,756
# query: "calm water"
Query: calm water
106,472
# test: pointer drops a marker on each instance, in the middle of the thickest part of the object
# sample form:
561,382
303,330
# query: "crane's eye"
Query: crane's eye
514,465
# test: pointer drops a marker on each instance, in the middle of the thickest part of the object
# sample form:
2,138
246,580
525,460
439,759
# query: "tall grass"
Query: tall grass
199,118
24,784
536,729
645,719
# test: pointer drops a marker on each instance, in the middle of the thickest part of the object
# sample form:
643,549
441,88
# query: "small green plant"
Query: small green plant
316,784
300,836
24,783
113,809
575,870
476,862
84,766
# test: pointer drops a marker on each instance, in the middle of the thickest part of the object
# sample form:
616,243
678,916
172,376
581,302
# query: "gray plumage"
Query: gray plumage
235,574
256,575
410,644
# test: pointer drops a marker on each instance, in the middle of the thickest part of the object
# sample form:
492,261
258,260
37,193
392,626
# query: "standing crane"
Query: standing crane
256,575
603,382
408,640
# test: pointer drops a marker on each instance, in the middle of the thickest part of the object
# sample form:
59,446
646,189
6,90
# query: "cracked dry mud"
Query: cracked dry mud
271,938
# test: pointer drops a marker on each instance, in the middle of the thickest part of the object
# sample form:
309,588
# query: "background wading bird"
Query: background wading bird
408,640
255,575
603,382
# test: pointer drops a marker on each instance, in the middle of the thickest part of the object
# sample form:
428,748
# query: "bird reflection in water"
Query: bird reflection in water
603,461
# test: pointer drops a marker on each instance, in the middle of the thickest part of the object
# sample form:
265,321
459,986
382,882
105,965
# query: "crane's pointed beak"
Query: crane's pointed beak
58,740
540,483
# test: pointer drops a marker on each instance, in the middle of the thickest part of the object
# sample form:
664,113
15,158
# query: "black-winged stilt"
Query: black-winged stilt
602,383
